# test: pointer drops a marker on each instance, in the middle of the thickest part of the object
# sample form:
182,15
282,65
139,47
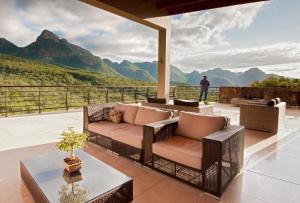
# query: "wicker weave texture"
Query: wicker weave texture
263,118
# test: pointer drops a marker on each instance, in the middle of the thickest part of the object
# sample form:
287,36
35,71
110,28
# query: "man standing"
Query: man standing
204,84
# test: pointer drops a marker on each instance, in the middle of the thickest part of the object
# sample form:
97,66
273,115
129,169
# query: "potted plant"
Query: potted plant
72,140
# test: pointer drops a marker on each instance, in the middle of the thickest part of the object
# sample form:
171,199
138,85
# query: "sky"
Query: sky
264,34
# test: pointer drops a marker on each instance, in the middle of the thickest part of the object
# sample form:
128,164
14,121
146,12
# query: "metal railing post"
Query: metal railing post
174,92
122,96
147,92
106,96
5,102
88,95
66,99
135,95
39,102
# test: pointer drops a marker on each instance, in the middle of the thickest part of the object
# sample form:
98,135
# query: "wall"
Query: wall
290,95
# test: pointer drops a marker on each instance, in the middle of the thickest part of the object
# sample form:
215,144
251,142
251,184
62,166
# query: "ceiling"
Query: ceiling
157,8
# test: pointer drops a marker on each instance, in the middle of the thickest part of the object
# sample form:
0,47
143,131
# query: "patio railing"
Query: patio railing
38,99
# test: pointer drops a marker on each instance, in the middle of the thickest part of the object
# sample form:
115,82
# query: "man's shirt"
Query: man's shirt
204,84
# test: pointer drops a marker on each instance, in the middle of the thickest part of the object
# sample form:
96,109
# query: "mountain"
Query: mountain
21,71
49,48
6,47
131,70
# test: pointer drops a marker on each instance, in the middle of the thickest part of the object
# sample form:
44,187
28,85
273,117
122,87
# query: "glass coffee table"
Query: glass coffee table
47,181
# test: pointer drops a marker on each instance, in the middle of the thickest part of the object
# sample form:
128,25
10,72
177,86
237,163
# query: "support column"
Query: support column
163,77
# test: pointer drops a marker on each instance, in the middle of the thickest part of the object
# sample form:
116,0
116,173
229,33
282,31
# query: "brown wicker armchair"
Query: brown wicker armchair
221,160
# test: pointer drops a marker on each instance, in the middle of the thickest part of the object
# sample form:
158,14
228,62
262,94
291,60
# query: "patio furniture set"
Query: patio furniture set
199,149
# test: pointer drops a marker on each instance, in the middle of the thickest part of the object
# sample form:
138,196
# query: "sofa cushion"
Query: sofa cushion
197,126
105,127
181,150
147,115
131,135
129,111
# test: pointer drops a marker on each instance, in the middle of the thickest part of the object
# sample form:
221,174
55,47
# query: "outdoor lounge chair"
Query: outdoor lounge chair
198,149
125,138
262,117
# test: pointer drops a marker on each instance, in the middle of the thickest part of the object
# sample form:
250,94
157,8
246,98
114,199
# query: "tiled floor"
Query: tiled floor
271,175
271,171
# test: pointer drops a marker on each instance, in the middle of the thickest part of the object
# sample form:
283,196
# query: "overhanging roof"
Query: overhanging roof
158,8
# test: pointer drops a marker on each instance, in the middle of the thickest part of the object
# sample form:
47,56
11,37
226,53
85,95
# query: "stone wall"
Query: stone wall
290,95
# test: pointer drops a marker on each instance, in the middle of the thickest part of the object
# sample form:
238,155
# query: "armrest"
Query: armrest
154,132
157,126
94,113
223,135
222,158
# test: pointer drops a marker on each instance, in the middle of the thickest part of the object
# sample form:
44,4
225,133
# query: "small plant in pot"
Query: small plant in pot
72,140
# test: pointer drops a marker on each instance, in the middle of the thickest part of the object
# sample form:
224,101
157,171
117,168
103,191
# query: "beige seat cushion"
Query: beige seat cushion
131,135
197,126
181,150
106,127
147,115
129,111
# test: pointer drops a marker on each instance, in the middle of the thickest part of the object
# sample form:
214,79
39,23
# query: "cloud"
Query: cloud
101,32
276,58
200,31
195,36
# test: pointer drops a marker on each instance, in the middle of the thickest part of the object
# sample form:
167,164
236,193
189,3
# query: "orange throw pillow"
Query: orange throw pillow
115,116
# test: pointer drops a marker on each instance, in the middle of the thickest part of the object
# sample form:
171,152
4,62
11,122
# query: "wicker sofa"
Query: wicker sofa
262,117
196,149
125,138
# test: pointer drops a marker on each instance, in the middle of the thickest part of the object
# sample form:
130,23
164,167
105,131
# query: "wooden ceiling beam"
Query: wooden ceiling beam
162,4
207,4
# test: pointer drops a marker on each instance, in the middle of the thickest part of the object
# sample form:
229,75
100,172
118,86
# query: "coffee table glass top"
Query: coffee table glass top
95,178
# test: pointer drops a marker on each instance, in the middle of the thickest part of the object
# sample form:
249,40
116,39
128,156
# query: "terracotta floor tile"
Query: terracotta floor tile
132,169
151,197
252,137
177,191
253,185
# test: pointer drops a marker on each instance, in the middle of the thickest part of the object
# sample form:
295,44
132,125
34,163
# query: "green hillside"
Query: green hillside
51,49
20,71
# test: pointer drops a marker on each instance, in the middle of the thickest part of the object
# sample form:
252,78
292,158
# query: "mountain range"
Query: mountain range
49,48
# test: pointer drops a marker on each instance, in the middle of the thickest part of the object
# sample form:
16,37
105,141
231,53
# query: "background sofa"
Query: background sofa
262,117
